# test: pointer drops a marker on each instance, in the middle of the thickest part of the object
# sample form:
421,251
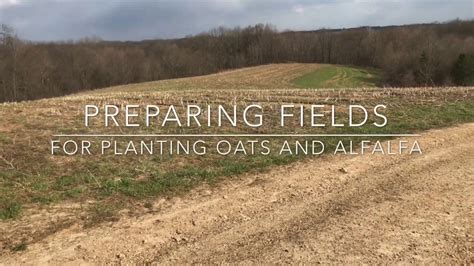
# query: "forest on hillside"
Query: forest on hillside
438,54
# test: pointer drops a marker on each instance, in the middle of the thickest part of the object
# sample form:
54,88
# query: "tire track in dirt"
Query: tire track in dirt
272,242
378,209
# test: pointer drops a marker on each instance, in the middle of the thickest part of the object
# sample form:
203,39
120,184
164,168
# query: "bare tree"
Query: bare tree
407,55
11,42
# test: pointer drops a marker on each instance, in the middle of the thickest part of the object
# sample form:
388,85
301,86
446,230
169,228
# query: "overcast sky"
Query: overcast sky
44,20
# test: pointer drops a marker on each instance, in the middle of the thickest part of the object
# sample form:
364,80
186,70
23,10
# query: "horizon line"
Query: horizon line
98,38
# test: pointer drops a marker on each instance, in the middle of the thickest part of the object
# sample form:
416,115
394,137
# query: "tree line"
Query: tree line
413,55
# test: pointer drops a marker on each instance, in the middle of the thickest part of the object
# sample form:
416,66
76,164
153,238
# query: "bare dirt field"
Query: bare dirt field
343,209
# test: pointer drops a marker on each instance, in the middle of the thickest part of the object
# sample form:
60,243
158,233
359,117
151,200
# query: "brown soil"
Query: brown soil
343,209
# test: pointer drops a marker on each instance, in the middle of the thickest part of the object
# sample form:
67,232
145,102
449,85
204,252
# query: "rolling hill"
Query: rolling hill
47,199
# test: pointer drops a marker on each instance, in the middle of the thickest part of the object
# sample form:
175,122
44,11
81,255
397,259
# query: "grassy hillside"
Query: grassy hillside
95,187
330,76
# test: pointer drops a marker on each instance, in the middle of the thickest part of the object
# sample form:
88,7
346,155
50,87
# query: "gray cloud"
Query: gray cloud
148,19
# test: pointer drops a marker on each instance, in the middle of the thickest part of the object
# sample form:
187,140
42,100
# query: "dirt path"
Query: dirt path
377,209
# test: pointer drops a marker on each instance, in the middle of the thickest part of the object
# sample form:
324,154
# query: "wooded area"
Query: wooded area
412,55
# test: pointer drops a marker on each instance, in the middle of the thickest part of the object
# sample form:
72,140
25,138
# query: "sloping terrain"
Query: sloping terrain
330,76
48,201
362,209
266,77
